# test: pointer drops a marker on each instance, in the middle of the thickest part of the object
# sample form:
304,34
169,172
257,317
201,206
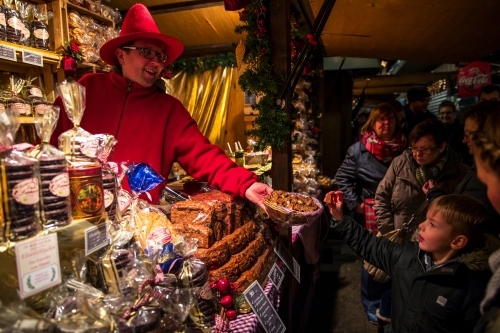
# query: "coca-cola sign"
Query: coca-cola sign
473,77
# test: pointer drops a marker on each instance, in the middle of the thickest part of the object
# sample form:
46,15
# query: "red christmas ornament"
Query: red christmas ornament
315,130
262,52
226,302
255,11
231,314
263,8
223,285
261,22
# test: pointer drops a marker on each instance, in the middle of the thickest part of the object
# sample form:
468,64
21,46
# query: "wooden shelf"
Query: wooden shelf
49,57
92,14
26,120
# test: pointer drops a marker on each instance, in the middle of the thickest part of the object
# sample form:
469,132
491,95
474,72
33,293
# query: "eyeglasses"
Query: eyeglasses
469,135
424,151
148,53
382,119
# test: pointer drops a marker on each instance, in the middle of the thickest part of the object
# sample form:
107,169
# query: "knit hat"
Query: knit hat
417,93
139,23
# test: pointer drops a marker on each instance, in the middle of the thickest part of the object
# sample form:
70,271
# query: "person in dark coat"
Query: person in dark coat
416,110
454,130
364,166
474,119
439,281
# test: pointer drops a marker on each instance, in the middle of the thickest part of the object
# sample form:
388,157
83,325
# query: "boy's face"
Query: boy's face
435,235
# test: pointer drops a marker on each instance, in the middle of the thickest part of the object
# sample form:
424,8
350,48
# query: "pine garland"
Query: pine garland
272,126
199,65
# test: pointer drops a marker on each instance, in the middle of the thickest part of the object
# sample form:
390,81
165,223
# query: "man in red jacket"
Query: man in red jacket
151,126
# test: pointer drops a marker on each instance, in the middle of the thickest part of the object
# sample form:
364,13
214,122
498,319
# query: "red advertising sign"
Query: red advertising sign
473,77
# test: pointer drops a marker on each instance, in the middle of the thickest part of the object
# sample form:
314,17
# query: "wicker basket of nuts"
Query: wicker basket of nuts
289,209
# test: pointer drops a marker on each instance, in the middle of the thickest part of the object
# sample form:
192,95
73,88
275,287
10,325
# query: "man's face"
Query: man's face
446,115
493,96
470,128
420,106
136,67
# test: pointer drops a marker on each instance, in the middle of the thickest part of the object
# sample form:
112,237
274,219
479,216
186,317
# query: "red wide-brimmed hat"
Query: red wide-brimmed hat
139,23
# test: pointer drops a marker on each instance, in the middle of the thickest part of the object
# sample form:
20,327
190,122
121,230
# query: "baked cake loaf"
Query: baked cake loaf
193,212
258,271
241,261
215,256
205,235
238,240
227,216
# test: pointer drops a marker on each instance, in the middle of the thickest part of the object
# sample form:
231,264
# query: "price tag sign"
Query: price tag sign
32,58
276,275
38,267
263,308
8,53
96,238
288,259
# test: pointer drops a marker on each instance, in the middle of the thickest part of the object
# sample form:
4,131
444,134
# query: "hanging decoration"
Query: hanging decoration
199,65
240,53
272,125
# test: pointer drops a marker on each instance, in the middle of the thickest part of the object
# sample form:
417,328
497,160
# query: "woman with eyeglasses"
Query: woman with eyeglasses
400,194
474,120
363,168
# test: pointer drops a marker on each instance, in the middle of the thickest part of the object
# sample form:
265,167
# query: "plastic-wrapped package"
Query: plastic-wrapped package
3,23
80,148
105,147
14,22
55,199
19,181
25,9
39,28
17,318
75,20
19,106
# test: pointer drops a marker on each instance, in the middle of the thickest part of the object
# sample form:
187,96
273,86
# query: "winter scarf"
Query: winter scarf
425,173
384,151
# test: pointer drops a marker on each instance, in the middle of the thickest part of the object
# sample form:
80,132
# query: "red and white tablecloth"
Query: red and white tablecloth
249,323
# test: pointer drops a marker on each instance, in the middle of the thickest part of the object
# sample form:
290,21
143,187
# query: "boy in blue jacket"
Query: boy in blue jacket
439,281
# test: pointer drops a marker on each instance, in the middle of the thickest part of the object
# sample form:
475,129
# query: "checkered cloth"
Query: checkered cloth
370,221
248,323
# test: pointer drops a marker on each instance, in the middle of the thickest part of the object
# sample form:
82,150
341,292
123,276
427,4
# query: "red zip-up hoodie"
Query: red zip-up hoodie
155,128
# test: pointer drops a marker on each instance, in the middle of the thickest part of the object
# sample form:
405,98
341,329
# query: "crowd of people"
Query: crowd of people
438,180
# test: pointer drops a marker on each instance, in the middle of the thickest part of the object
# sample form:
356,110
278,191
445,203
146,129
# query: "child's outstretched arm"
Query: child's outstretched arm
378,251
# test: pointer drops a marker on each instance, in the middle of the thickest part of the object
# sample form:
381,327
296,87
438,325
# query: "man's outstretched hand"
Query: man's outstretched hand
335,200
257,192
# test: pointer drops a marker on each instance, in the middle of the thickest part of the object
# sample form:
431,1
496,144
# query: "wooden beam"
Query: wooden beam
203,50
180,6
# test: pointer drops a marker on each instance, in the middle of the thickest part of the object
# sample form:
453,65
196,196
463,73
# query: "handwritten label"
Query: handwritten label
26,192
108,198
263,308
59,185
276,275
89,147
38,265
96,238
288,259
8,52
32,58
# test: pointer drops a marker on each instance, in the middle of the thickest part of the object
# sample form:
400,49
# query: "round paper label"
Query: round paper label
108,198
206,291
123,202
59,185
2,19
160,236
26,33
89,147
15,23
36,92
26,192
18,108
40,109
41,34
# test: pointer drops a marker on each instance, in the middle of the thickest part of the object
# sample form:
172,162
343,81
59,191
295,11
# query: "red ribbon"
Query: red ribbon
310,39
159,277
